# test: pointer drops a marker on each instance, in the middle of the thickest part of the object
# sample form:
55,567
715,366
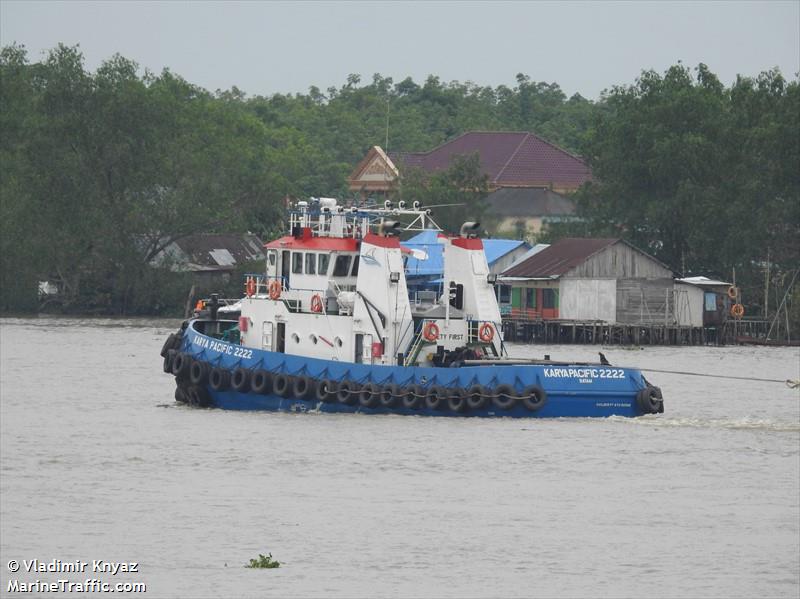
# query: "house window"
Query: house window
530,298
322,264
550,298
504,294
311,264
297,263
355,266
342,266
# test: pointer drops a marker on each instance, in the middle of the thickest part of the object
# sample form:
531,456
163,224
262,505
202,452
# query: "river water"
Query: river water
98,463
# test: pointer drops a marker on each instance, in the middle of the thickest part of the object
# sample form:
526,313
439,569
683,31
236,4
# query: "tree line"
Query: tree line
98,171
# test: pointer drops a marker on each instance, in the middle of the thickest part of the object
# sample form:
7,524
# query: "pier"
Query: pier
604,333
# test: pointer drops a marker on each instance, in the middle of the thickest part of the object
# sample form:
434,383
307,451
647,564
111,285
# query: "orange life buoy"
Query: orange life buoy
732,292
275,289
486,332
737,310
431,332
316,303
250,287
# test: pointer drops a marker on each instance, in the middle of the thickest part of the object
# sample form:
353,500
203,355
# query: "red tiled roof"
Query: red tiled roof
508,158
559,258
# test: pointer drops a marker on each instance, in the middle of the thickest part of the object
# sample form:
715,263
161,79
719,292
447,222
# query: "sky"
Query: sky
285,47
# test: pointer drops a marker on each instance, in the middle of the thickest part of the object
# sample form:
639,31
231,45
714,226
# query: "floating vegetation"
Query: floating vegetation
263,561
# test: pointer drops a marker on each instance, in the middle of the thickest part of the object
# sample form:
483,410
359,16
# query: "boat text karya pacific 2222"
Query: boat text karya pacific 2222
330,326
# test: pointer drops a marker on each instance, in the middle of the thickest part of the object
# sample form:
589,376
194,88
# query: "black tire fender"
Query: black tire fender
168,359
390,396
303,387
649,400
181,365
457,401
326,390
534,397
198,372
168,345
282,385
436,398
219,379
414,396
478,397
261,382
369,395
347,393
240,380
504,397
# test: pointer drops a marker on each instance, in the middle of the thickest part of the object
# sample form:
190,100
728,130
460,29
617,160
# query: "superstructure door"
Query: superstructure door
280,341
266,335
286,266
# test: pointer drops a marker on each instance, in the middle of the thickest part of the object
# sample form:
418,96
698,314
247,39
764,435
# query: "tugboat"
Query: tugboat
330,326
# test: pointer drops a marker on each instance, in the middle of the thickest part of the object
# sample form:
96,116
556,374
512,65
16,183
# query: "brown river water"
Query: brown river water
97,462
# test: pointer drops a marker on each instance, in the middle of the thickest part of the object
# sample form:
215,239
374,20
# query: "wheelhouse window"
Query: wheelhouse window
311,264
355,266
272,257
342,266
297,263
322,263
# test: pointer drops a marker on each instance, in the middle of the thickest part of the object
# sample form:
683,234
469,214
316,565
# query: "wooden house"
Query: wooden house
606,280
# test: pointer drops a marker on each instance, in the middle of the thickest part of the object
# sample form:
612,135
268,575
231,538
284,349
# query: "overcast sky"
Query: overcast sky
270,47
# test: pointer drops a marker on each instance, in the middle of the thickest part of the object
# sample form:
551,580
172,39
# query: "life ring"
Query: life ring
737,310
733,292
274,289
486,332
250,287
316,303
430,332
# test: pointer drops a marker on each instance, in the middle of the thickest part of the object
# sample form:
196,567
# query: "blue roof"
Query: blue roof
434,265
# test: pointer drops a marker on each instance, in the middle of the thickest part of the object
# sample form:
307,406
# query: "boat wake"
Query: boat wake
714,423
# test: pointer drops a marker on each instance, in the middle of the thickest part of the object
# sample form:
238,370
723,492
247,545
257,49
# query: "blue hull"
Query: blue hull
571,390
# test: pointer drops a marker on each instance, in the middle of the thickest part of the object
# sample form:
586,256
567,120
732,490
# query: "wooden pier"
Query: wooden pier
604,333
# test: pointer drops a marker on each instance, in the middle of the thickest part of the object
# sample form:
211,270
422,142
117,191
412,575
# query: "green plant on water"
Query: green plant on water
263,561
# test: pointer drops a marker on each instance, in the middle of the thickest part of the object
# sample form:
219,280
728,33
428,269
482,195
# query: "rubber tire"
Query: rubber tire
198,396
649,400
477,397
167,345
457,401
389,396
180,395
347,393
504,397
369,395
436,398
282,385
181,365
168,359
198,373
415,395
219,379
534,398
261,382
326,390
303,387
240,380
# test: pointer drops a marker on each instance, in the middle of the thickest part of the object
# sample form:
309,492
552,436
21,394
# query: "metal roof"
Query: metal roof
427,241
559,258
